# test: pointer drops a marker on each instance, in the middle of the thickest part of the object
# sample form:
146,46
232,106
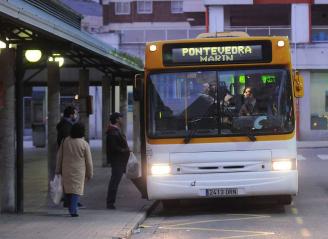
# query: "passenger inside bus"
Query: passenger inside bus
250,106
199,108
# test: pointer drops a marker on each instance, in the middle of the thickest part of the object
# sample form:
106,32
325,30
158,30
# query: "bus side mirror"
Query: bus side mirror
298,85
138,87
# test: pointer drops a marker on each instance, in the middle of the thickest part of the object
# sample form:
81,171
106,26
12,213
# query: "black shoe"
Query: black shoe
111,206
75,215
81,206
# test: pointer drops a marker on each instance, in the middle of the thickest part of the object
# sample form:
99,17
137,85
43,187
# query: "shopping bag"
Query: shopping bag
56,189
133,168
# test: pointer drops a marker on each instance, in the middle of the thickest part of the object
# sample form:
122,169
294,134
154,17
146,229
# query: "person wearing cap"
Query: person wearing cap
118,153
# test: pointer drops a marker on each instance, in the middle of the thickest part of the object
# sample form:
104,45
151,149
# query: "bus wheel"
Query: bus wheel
170,204
284,200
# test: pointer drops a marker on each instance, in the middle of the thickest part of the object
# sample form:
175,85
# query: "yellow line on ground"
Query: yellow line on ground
221,220
213,229
255,233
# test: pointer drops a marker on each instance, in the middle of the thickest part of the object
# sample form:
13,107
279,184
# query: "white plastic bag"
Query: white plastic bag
133,168
56,189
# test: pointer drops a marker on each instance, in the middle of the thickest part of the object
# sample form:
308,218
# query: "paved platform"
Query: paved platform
312,144
43,220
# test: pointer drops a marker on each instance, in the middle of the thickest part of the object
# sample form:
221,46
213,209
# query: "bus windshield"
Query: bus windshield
213,103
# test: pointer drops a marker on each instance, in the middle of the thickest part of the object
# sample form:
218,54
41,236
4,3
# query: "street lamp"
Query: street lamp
33,55
2,45
57,58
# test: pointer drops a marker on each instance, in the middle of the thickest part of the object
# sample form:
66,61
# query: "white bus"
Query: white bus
197,139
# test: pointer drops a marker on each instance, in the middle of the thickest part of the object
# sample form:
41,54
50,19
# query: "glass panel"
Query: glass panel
212,103
132,36
281,32
319,93
155,35
258,32
195,33
176,34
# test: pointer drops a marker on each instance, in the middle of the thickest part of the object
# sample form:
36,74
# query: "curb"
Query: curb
129,228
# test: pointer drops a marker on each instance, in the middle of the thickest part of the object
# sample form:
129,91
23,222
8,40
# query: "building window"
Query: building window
122,8
319,101
176,6
145,7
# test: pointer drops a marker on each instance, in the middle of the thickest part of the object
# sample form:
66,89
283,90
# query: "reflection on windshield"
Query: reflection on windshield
219,103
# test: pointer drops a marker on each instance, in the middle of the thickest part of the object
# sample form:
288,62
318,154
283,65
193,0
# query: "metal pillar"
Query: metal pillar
106,87
19,131
124,104
83,100
53,115
7,135
113,94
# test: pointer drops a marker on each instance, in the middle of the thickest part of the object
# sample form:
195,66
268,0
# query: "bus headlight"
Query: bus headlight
160,169
283,164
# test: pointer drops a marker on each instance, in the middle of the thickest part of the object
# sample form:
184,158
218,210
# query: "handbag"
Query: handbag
133,167
56,189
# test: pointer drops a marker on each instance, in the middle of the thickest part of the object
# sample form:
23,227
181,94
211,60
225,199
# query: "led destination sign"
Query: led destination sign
217,53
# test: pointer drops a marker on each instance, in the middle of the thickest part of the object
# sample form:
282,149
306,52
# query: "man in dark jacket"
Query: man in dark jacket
118,153
65,124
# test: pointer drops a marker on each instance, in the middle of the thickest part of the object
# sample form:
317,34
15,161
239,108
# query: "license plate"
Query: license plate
218,192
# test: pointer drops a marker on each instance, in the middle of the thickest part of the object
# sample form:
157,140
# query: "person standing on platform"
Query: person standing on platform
118,156
74,163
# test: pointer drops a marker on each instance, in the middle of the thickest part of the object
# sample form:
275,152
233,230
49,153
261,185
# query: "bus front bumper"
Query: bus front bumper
242,184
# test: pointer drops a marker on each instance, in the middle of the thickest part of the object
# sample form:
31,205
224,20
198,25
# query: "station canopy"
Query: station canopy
54,28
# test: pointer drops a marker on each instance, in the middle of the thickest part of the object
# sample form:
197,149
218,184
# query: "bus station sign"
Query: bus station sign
217,53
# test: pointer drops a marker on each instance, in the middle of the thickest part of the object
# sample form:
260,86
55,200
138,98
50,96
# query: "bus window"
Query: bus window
209,102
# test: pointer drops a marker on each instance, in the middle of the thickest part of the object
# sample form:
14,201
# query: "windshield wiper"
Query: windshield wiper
190,133
250,134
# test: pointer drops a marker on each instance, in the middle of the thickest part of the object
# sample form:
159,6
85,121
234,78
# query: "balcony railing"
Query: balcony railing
133,36
262,30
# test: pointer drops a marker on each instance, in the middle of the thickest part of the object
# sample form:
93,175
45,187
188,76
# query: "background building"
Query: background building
128,24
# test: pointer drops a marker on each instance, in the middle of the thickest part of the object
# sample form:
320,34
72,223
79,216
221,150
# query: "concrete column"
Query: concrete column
300,23
53,115
106,100
83,98
216,18
7,135
124,104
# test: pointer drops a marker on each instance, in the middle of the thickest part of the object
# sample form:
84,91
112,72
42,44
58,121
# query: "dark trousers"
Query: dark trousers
73,200
117,173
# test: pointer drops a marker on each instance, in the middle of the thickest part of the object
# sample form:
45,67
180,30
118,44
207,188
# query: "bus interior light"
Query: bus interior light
282,165
152,47
160,169
281,43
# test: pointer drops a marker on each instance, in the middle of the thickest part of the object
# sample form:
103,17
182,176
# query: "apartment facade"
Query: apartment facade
305,22
138,22
128,24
